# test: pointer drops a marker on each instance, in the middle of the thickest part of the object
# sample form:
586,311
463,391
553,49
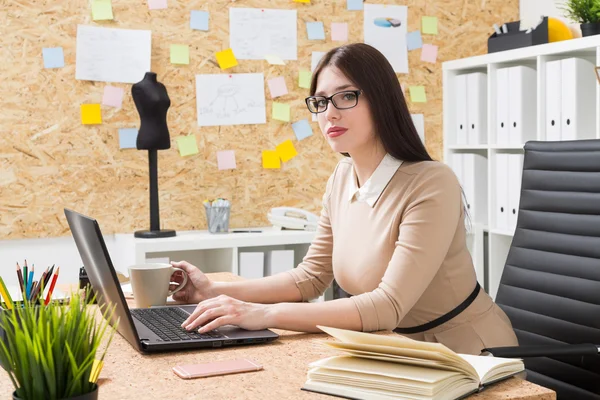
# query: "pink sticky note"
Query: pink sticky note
226,159
113,96
277,87
339,31
157,4
429,53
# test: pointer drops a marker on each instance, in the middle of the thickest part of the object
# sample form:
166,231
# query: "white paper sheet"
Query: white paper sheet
112,55
315,58
391,41
257,32
230,99
419,122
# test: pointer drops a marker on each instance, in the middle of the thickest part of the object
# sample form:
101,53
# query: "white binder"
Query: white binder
476,108
461,109
522,104
502,99
515,171
501,198
474,170
278,261
252,264
578,86
553,100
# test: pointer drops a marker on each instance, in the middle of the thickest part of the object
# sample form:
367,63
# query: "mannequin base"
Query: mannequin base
162,233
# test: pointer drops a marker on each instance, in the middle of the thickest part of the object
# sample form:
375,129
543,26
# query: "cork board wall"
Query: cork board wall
49,160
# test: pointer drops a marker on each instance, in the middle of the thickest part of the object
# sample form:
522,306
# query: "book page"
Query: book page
493,368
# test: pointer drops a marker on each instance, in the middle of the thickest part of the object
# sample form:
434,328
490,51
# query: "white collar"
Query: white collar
373,187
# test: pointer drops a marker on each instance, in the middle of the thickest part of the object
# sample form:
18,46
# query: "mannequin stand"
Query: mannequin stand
155,231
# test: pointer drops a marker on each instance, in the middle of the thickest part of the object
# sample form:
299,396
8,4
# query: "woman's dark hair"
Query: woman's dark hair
371,72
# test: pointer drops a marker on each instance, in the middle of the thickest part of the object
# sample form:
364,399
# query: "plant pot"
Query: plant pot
590,28
93,395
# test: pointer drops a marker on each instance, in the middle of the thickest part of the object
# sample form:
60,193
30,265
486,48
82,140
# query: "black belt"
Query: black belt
444,318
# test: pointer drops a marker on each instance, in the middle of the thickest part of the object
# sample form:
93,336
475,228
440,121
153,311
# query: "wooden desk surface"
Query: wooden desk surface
128,374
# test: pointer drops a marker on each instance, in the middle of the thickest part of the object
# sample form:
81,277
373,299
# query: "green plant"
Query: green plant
49,351
581,11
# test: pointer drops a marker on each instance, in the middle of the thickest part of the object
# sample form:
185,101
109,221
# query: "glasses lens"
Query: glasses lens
345,100
317,104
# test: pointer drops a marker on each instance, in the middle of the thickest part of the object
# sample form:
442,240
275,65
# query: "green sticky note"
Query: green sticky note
281,111
102,10
180,54
429,25
187,145
417,94
304,79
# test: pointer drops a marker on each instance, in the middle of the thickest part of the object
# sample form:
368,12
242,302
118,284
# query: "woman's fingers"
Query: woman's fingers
184,265
208,315
200,308
223,320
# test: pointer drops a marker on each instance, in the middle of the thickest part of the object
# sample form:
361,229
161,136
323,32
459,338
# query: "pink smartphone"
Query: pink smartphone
216,368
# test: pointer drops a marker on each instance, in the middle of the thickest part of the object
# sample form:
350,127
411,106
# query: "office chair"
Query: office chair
550,285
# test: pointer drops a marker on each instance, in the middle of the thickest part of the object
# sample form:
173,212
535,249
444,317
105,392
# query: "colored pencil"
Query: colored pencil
30,281
48,276
5,295
20,276
49,295
25,277
38,287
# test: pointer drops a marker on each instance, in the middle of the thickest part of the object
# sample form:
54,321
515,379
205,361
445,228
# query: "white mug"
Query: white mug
150,283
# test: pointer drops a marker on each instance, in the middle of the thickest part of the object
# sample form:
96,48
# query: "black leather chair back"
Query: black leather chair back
550,286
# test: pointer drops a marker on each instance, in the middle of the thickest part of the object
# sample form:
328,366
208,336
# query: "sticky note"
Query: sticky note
128,138
187,145
199,20
91,114
315,31
354,5
304,79
281,111
270,159
429,25
226,159
286,151
102,10
429,53
53,57
302,1
113,96
157,4
226,59
277,87
180,54
417,94
414,40
302,129
339,31
274,60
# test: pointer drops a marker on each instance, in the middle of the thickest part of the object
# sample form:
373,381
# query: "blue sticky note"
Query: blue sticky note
128,138
414,40
315,30
199,20
302,129
53,57
355,5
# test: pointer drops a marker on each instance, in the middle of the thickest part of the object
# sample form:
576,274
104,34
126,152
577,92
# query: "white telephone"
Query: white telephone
293,218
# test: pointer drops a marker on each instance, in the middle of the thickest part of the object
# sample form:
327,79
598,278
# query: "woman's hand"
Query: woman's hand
197,288
224,310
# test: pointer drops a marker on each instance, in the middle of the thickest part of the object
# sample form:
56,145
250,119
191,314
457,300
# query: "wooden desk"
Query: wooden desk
128,374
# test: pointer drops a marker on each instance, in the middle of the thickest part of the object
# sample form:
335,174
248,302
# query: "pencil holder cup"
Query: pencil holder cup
217,219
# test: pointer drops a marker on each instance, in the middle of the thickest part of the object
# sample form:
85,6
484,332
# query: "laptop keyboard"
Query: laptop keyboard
166,324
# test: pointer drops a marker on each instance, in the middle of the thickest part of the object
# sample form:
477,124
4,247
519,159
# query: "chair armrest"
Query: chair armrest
544,351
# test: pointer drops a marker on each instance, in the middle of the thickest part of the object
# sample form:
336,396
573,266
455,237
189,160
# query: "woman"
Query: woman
391,230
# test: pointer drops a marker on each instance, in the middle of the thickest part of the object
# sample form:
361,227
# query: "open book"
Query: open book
391,367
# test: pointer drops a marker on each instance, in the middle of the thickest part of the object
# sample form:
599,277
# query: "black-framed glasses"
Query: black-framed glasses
340,100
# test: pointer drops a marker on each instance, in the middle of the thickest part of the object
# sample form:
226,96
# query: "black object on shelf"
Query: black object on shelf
84,283
515,38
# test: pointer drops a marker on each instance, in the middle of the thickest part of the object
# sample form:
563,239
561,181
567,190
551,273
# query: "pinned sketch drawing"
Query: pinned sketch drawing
230,99
257,32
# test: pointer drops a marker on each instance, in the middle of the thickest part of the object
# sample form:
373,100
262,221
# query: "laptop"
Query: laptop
151,329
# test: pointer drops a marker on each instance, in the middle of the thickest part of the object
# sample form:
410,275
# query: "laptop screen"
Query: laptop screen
101,272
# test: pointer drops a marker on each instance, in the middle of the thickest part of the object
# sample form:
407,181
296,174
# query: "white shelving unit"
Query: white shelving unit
544,92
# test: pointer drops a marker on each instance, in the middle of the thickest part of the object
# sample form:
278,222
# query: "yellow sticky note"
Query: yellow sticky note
187,145
304,78
286,151
180,54
270,159
302,1
226,59
101,10
429,25
91,114
417,94
273,59
281,111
